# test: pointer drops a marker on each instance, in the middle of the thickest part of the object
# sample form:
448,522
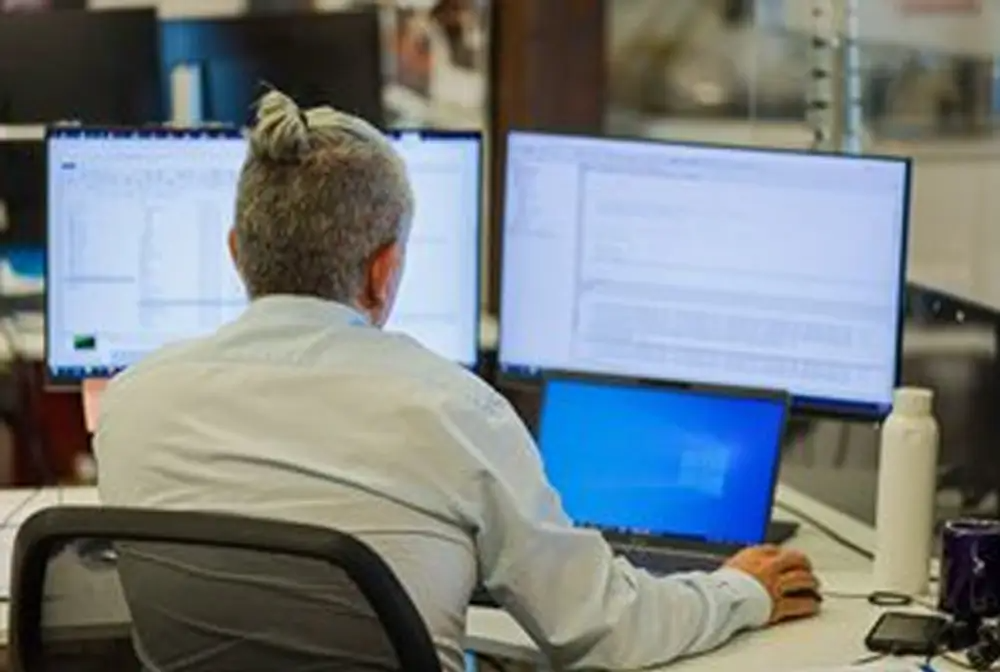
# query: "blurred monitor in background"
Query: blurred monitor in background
88,67
332,58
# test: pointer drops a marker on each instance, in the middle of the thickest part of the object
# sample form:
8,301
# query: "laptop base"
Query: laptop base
780,531
663,562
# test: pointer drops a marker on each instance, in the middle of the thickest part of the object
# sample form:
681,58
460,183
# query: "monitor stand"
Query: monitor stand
798,429
780,531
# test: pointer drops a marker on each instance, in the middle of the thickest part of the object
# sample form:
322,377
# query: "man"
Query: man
304,410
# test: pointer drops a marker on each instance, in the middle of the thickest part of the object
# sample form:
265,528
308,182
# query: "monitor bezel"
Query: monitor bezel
64,381
800,405
672,385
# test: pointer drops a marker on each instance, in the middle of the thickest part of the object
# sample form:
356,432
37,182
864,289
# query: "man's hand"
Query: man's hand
786,575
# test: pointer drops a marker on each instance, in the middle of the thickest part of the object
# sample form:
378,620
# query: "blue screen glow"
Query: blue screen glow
660,460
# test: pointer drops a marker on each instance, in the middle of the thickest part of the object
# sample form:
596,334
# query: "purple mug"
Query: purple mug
970,569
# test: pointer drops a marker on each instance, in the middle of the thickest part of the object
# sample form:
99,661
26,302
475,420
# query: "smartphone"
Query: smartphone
901,634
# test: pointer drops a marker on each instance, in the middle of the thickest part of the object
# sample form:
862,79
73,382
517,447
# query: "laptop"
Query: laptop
678,477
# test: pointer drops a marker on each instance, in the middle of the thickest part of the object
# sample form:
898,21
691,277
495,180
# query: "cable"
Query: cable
832,534
6,521
882,598
957,661
826,530
867,660
486,663
891,599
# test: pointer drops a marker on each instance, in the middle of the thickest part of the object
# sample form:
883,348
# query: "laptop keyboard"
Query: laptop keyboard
662,561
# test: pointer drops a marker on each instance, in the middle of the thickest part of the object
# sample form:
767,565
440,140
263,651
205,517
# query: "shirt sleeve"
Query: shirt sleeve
583,606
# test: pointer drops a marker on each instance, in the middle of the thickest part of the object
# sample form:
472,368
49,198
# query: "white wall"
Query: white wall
955,225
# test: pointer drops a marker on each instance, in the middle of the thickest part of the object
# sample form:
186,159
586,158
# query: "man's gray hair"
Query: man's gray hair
319,194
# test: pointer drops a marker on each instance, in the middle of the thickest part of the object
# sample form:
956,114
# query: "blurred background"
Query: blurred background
905,77
909,77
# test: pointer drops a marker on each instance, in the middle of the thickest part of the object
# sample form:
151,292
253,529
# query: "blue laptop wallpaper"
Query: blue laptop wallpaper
639,459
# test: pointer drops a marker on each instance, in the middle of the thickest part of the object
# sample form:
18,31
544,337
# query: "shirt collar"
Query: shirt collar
305,309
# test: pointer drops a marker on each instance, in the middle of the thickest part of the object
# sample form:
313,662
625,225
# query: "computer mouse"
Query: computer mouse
807,593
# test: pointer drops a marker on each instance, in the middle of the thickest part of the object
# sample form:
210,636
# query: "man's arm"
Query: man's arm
582,605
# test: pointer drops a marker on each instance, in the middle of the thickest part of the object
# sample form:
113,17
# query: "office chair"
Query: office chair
97,588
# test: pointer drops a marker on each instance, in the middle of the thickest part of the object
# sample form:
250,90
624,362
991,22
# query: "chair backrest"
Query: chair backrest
97,588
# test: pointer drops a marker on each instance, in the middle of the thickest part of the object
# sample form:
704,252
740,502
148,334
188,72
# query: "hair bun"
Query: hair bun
281,132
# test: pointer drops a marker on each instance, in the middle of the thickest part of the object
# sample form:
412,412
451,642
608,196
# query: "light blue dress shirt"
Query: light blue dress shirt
299,410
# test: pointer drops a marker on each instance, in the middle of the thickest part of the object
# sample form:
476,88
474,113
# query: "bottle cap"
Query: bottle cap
912,401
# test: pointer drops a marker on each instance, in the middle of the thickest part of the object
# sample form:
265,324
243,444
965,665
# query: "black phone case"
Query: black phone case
926,639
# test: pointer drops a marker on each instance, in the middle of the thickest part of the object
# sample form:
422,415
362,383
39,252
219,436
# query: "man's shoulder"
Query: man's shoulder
162,359
171,352
403,369
453,383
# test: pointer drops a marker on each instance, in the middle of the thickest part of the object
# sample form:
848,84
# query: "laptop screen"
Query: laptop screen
635,458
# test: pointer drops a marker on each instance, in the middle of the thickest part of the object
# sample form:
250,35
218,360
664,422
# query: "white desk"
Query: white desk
833,639
16,506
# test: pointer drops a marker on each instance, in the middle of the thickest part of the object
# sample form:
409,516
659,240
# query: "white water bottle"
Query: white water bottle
907,483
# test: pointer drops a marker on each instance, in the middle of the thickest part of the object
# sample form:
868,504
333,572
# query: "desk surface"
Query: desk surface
16,506
833,639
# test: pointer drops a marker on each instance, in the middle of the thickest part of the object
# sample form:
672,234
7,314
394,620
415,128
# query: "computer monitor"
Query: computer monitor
136,252
95,67
641,458
438,302
330,58
752,267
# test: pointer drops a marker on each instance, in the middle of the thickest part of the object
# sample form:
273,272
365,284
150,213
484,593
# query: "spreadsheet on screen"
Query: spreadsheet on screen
137,254
759,268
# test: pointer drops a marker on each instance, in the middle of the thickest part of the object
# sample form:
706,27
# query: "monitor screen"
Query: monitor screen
92,67
137,255
438,301
759,268
638,458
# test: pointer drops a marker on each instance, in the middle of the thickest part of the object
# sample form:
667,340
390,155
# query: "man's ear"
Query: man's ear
382,267
233,247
